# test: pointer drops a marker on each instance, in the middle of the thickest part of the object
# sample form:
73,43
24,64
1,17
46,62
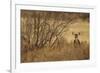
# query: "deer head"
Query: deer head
76,34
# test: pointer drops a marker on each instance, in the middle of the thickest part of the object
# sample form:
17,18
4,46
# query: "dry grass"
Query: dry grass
68,52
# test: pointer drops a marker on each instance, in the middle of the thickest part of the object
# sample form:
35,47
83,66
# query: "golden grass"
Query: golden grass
68,52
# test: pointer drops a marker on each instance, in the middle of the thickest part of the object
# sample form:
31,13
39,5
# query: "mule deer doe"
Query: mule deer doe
76,39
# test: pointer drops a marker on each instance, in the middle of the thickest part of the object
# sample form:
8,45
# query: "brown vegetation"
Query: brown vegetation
67,52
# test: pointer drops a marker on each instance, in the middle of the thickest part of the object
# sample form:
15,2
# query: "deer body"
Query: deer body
76,39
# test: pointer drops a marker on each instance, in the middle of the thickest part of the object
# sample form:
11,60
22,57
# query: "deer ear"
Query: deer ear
79,33
72,33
